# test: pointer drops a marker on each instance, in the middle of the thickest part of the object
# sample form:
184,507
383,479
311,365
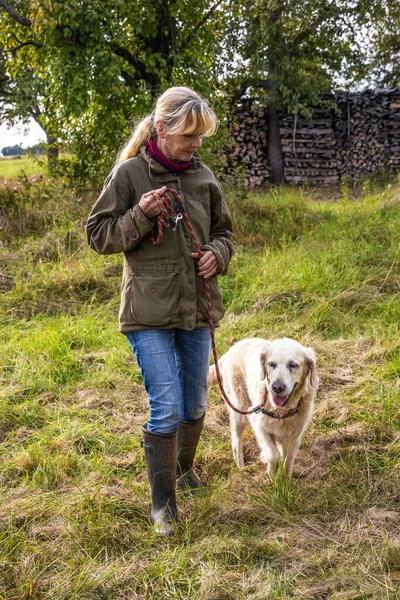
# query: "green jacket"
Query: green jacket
161,287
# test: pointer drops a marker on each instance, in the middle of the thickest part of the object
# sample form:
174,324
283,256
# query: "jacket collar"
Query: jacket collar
160,169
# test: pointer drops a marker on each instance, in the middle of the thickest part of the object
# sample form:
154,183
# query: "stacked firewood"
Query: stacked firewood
247,149
393,130
309,148
358,135
361,127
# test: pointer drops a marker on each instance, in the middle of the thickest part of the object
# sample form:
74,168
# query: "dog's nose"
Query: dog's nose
278,386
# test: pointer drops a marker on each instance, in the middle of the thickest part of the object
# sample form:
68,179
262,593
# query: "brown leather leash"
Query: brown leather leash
164,218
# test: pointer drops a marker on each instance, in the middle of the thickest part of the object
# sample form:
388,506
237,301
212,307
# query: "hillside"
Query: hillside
74,505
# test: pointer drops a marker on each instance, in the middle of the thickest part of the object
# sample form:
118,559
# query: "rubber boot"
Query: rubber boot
188,439
160,451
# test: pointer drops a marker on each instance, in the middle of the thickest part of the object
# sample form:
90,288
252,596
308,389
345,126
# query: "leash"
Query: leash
164,218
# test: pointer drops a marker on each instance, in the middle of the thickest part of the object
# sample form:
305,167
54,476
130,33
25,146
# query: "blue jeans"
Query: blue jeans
174,364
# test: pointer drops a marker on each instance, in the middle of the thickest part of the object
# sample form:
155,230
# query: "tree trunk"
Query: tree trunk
275,155
52,152
51,141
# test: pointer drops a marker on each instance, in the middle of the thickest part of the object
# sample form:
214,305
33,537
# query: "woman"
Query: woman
163,299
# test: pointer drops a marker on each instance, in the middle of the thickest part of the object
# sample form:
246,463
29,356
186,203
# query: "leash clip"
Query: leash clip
256,409
176,221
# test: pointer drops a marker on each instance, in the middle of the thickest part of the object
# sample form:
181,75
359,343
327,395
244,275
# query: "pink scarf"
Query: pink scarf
157,155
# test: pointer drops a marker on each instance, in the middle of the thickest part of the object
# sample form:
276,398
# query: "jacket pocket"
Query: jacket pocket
155,297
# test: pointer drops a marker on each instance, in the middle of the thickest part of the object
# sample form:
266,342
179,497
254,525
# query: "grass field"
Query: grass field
74,503
11,168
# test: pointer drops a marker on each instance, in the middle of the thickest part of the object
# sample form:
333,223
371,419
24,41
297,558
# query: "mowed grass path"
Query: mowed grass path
74,503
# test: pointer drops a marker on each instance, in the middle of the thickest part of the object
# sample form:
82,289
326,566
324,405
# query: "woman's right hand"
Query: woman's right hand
148,203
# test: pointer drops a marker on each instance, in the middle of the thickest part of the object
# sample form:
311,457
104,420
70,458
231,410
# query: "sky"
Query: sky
24,135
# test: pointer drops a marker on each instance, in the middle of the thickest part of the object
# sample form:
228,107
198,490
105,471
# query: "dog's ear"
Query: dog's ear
311,364
263,361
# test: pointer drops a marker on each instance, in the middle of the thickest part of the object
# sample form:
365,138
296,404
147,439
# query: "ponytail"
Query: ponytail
142,134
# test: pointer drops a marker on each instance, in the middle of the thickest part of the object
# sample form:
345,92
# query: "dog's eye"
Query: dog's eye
292,365
272,365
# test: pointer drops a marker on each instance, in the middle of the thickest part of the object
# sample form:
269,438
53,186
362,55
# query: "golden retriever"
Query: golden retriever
287,371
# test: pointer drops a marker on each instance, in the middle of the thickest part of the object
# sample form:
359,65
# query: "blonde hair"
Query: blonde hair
180,110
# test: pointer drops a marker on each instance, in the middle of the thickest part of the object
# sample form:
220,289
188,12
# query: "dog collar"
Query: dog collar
290,413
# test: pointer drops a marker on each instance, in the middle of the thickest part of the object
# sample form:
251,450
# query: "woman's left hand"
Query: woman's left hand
208,263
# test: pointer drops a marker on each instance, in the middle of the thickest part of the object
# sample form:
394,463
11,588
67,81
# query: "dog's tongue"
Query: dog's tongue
279,400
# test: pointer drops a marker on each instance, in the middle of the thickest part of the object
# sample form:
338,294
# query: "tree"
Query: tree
12,151
101,64
22,87
384,63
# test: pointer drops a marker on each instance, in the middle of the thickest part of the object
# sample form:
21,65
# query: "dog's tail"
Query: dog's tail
212,376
